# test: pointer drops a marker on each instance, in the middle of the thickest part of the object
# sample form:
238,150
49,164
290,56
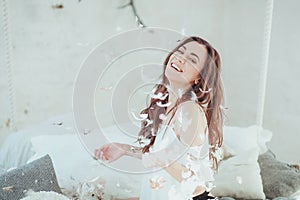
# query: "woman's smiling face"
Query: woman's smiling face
185,64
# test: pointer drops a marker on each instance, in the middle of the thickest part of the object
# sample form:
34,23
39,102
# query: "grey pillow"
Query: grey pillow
38,175
279,179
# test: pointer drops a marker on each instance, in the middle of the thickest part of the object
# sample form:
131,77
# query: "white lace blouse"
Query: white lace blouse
168,148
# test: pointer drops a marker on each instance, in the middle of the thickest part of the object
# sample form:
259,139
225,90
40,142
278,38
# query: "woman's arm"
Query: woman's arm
190,127
176,170
134,151
113,151
190,124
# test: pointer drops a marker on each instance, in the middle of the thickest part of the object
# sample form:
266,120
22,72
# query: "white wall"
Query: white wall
282,107
49,45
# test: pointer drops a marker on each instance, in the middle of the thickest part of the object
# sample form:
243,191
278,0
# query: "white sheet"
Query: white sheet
16,149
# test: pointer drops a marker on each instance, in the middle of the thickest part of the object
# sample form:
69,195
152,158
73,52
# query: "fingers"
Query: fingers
108,152
99,154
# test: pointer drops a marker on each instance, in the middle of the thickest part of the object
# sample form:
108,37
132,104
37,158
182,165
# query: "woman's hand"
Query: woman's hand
111,152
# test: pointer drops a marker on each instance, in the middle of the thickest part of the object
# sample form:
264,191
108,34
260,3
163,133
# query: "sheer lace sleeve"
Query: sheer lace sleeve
191,128
185,141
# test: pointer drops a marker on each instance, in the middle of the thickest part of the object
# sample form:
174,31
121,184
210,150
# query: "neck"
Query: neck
175,92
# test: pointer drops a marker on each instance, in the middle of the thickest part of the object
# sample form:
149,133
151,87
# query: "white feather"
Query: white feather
207,91
143,116
163,105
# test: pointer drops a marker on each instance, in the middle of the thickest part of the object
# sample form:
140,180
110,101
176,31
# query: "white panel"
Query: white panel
282,97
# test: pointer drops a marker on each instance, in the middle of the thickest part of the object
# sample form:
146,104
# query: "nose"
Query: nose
181,59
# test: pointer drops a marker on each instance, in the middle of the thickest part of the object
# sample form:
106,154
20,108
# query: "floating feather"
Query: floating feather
223,108
186,174
143,116
159,96
207,91
148,122
180,93
163,105
194,97
106,88
239,179
157,182
86,131
162,117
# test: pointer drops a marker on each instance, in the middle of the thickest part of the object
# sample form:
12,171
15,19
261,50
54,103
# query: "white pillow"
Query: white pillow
49,195
296,195
239,175
16,149
239,180
240,139
72,161
264,136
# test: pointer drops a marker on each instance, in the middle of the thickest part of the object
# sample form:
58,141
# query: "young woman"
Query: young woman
183,124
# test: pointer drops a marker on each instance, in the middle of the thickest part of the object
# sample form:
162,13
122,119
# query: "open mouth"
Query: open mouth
174,66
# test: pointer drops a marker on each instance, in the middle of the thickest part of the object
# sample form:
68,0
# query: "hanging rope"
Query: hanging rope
7,57
265,63
137,17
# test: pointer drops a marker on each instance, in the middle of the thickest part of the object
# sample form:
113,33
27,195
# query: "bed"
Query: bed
244,171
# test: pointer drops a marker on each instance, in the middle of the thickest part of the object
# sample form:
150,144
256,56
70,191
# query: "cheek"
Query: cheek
193,72
169,61
171,58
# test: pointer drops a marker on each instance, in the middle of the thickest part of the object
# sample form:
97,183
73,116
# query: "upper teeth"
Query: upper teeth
175,66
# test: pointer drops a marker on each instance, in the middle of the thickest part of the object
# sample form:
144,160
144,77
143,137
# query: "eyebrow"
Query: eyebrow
183,47
191,53
195,55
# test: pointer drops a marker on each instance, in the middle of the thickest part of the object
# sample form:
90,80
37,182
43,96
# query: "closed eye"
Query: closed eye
193,60
195,56
180,51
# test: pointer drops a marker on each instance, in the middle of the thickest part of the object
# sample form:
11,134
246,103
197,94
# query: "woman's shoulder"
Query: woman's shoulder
191,123
191,107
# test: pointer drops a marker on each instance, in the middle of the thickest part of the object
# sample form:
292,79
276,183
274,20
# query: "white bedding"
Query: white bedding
17,149
57,138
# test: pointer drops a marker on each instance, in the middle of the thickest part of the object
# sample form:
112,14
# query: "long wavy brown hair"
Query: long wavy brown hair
209,93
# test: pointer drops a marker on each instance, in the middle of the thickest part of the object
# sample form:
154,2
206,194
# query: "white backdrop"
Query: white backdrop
48,46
